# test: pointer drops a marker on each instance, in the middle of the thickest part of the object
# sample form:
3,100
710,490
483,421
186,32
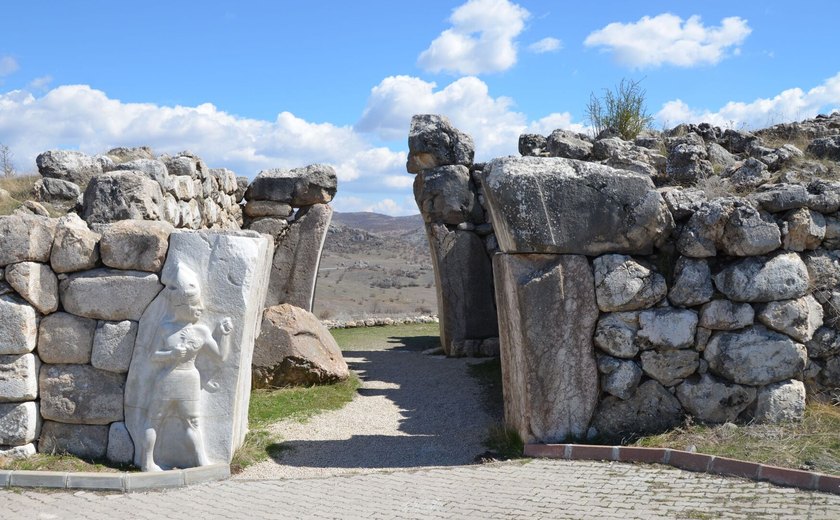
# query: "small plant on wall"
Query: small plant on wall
622,109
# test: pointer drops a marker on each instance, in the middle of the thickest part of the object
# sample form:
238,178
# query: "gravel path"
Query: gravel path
413,410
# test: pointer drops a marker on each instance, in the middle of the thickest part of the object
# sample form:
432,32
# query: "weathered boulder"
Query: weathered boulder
534,145
65,338
615,334
669,367
755,356
622,284
652,409
154,169
541,360
764,279
80,394
823,269
719,156
464,287
776,198
109,294
584,208
76,247
748,174
267,208
274,227
831,240
824,196
185,164
135,245
445,194
183,187
619,377
687,159
826,147
36,283
19,423
18,325
781,402
824,344
113,345
692,283
120,446
711,400
56,191
17,452
25,238
730,225
803,229
68,165
798,318
85,441
433,142
682,202
294,348
726,315
120,196
562,143
123,154
18,378
313,184
666,328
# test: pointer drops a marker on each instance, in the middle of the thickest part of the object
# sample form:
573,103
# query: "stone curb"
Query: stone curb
691,462
125,481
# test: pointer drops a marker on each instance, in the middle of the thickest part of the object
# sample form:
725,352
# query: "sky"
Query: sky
250,85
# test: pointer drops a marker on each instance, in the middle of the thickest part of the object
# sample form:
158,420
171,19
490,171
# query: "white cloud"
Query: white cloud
790,105
481,39
40,83
668,40
8,65
546,45
388,206
492,122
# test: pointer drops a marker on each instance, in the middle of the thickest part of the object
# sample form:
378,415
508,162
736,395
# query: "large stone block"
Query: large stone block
19,423
18,325
725,315
764,279
622,284
711,400
135,245
616,334
120,196
553,205
313,184
667,328
19,378
82,440
68,165
755,356
293,348
113,345
25,238
433,142
549,372
297,257
120,446
80,394
109,294
76,247
652,409
781,402
464,284
189,381
798,318
36,283
692,283
729,225
65,338
153,168
446,195
670,367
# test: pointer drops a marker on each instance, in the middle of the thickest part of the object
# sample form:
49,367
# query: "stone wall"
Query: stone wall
631,294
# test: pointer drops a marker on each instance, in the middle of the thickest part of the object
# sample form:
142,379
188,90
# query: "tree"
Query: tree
622,109
6,164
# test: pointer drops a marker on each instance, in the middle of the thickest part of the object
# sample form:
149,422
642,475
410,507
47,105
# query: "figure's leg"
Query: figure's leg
195,439
150,438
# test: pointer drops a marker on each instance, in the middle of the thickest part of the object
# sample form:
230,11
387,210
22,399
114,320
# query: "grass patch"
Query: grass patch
47,462
505,442
415,336
813,444
501,441
19,188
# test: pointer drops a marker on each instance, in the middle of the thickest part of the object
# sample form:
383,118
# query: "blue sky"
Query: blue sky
252,85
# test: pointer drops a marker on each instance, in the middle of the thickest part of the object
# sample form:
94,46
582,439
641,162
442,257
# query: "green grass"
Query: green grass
47,462
416,336
503,441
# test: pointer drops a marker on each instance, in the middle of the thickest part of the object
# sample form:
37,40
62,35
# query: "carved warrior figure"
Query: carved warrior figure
176,389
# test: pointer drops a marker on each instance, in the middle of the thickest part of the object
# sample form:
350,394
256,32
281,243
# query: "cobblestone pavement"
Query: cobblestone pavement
518,489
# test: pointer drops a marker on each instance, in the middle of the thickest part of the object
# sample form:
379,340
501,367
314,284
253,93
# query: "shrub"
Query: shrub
622,109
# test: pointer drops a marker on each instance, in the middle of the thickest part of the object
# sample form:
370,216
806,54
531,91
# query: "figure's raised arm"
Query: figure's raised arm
218,341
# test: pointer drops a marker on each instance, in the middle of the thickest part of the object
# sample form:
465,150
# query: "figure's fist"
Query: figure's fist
226,326
180,351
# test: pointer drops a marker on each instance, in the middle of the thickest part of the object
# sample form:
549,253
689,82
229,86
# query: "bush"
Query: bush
622,110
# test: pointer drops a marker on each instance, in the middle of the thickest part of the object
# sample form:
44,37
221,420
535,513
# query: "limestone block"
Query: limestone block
182,187
805,229
781,402
80,394
19,423
682,202
764,279
123,154
109,294
297,257
18,325
542,360
433,142
755,356
120,446
824,344
153,168
622,284
619,377
36,283
832,233
726,315
533,144
267,208
227,180
76,248
447,195
615,334
711,400
666,328
554,205
25,238
65,338
824,196
798,318
692,283
122,195
563,143
293,348
670,367
823,268
82,440
17,452
464,285
313,184
113,345
18,378
135,245
652,409
776,198
68,165
190,376
56,191
274,227
730,225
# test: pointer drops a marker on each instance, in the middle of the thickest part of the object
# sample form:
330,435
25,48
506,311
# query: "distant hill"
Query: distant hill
378,223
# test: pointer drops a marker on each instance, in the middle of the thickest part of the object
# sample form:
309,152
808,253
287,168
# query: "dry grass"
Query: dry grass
19,188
